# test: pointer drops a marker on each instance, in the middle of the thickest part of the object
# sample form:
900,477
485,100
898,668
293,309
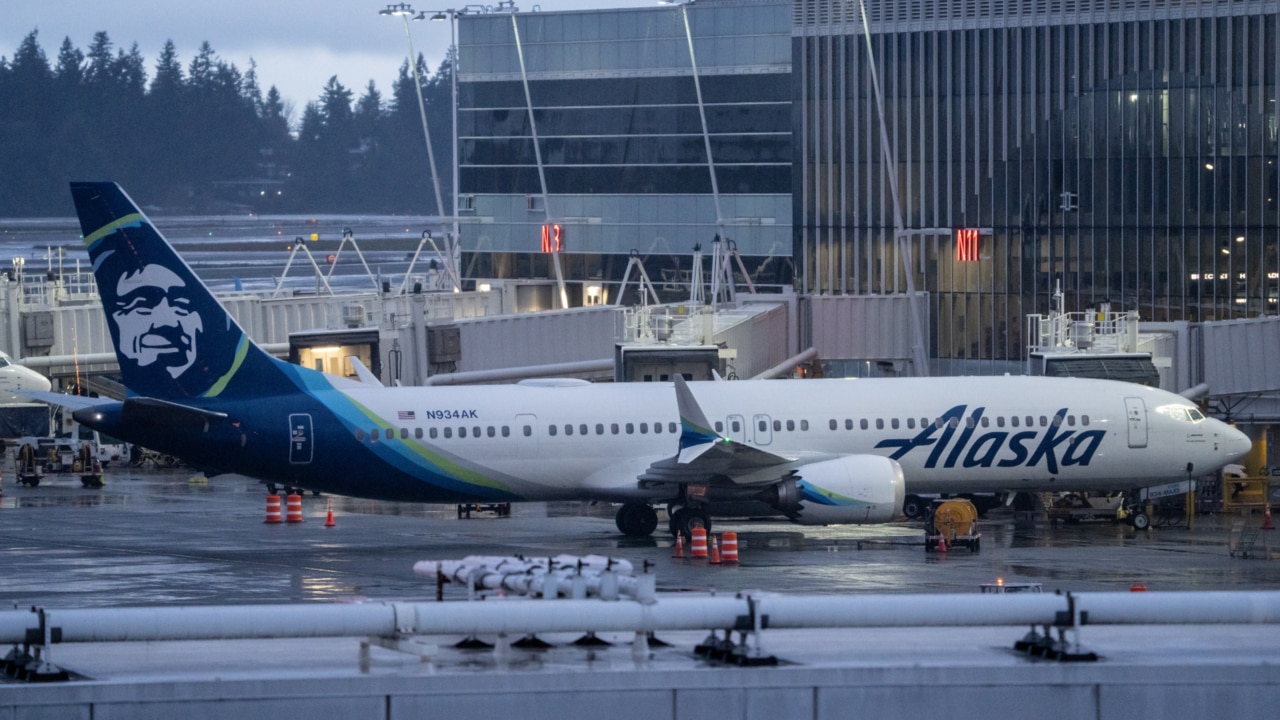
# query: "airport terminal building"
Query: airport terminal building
1125,152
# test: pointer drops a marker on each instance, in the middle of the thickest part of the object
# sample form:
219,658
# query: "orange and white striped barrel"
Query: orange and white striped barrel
273,509
293,509
698,546
729,548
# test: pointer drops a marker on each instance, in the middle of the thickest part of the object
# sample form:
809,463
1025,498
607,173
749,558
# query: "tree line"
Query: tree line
207,139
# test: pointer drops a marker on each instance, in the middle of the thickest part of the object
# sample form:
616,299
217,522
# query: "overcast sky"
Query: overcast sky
298,44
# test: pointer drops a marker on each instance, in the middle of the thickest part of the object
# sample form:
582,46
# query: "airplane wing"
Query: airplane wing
73,402
704,453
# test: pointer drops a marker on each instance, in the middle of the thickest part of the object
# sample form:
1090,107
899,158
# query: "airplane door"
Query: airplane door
1137,413
763,430
526,432
301,440
736,425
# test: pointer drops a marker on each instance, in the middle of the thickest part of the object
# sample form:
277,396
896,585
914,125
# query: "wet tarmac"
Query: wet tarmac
157,537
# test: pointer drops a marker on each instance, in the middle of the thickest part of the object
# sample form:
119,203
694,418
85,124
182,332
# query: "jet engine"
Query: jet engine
848,489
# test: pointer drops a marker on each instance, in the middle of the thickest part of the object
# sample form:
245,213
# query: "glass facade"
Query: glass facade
592,121
1125,152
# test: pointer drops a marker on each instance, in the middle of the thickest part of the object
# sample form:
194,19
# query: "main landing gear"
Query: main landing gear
637,519
685,519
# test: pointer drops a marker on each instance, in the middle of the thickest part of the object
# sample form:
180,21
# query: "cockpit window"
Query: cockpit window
1182,413
1195,414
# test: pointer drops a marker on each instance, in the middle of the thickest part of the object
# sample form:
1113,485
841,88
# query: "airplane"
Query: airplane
817,452
15,379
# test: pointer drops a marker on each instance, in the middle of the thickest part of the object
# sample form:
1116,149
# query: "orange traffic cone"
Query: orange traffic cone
1266,518
678,552
329,520
715,551
1137,587
273,509
730,542
698,547
942,544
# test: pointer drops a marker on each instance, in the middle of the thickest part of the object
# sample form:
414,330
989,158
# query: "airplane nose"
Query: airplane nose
1235,444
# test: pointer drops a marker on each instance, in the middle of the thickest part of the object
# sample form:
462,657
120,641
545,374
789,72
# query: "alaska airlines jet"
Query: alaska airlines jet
814,451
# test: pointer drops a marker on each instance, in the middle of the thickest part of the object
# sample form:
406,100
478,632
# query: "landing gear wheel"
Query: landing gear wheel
684,520
913,507
636,519
1140,520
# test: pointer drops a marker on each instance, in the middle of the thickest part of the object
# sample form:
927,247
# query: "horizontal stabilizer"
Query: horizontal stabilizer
163,412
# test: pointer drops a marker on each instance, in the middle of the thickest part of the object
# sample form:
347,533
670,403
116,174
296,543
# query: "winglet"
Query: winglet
695,429
365,374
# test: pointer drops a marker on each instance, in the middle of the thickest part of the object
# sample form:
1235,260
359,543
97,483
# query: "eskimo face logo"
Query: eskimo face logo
1053,446
153,314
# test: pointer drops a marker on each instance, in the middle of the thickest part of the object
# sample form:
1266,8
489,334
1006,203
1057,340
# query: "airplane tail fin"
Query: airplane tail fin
173,339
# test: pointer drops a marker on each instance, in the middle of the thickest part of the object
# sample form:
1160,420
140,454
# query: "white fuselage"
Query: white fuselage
14,379
951,435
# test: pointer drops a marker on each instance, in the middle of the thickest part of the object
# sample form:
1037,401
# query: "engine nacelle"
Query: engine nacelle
849,489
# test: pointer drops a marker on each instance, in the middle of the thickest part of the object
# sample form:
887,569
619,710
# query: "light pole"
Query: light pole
405,11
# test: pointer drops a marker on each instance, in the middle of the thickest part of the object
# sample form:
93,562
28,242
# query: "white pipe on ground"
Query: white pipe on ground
520,616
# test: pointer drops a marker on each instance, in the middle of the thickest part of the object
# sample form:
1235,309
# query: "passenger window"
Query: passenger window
986,421
1044,421
719,426
630,428
894,423
671,428
1084,419
359,435
777,426
568,429
1014,421
417,433
599,428
848,423
1000,421
432,433
492,432
657,428
968,422
737,426
954,423
911,423
528,431
476,431
862,423
832,425
763,426
448,433
391,433
1057,420
879,423
791,425
506,431
644,428
582,429
551,430
1031,421
375,435
404,433
462,432
804,425
1071,420
613,428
